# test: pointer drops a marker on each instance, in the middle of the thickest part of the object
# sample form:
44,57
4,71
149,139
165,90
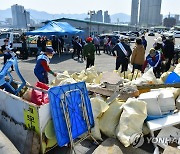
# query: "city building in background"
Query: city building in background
107,18
99,16
20,17
169,21
134,12
150,12
177,18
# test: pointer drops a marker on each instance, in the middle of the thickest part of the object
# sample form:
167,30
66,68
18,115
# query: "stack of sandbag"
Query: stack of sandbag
110,119
131,120
99,106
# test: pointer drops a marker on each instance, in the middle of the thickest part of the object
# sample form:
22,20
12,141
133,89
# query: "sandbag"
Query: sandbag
67,81
110,119
164,76
177,69
27,95
60,77
131,120
99,106
95,131
91,74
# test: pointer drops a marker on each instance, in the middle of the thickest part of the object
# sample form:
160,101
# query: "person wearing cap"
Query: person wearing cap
42,68
154,59
123,52
89,52
144,42
158,45
138,55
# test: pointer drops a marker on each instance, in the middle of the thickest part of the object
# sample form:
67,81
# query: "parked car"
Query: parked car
134,32
151,33
176,34
14,37
110,35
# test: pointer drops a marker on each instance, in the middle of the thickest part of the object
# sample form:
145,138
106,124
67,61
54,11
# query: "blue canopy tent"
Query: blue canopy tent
56,28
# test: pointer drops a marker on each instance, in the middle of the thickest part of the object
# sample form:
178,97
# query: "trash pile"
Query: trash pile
123,103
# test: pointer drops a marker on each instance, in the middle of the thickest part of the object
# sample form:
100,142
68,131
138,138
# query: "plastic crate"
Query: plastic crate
57,96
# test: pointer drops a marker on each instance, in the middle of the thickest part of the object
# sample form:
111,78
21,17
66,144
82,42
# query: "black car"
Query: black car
151,33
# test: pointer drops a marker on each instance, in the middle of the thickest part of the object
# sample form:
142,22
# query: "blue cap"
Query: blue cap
50,50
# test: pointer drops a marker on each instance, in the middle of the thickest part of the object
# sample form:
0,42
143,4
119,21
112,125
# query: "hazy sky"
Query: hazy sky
82,6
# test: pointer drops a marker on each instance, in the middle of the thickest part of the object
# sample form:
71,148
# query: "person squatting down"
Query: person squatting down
154,59
42,68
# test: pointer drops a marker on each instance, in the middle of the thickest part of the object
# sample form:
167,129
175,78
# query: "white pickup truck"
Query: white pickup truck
15,38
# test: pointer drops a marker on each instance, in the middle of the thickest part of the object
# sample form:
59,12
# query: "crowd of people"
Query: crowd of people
159,57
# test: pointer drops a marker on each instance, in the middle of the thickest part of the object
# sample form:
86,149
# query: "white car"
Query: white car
176,34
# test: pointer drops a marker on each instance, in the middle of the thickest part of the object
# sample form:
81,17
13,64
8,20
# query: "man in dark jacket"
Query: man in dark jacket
55,44
89,52
123,52
77,46
144,42
39,45
168,49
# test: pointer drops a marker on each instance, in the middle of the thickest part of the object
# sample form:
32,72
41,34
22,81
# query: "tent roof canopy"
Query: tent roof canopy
55,28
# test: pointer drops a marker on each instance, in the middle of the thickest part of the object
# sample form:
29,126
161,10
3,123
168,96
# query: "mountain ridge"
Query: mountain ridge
43,15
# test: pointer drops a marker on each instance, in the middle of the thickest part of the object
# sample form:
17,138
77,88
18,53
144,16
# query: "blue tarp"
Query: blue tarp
55,28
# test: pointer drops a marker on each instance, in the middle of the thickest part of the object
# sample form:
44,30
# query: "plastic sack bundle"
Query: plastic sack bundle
67,81
99,106
110,119
39,97
131,120
91,74
27,95
60,77
147,78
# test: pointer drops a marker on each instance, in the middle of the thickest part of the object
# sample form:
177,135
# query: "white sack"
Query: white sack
177,69
95,131
99,106
147,78
110,119
67,81
131,120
